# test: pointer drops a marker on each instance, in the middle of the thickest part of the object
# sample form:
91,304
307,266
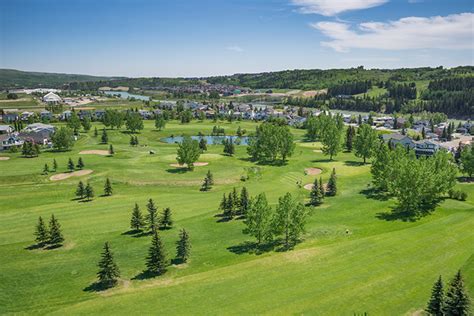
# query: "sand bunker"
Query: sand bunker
312,171
4,158
95,152
62,176
317,151
196,164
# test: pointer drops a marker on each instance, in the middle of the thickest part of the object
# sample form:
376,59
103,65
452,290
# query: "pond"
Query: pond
126,95
211,140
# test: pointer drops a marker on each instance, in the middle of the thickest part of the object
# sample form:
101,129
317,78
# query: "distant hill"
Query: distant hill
11,78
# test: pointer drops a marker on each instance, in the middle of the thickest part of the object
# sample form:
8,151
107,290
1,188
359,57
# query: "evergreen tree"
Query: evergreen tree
111,150
332,185
80,163
321,188
55,234
350,138
183,246
423,133
55,165
137,222
45,169
315,195
41,232
156,260
223,204
244,203
96,132
108,187
89,192
108,270
210,177
436,304
165,221
70,165
235,201
152,218
105,138
208,182
457,299
81,190
203,144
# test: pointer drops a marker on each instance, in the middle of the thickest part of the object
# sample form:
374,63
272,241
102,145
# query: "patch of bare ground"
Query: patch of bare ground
95,152
317,151
66,175
4,158
312,171
309,186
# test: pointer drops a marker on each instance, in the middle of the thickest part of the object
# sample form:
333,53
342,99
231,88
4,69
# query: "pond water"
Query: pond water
211,140
126,95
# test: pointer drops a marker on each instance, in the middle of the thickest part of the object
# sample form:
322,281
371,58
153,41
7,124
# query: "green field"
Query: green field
350,261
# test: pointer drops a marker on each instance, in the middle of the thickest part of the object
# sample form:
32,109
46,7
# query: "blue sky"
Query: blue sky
213,37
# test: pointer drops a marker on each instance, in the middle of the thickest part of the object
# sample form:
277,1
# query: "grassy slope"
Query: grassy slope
383,267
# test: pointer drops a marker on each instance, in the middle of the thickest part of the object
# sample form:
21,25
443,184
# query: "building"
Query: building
9,140
52,98
425,148
399,139
6,129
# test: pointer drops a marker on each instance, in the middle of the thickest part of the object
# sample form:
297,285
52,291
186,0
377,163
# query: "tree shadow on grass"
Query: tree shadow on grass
399,214
375,194
251,247
352,163
322,160
34,247
136,233
465,179
177,170
144,275
97,287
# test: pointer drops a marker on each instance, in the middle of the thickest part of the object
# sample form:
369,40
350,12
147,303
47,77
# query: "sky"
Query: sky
187,38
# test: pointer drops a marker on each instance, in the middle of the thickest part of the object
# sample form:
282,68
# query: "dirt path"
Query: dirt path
62,176
95,152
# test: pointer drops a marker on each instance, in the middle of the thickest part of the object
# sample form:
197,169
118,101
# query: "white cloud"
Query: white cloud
449,32
235,48
333,7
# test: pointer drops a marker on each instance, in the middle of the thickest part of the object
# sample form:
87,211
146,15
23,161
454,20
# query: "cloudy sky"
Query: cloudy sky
212,37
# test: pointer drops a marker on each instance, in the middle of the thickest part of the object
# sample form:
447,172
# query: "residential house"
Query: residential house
399,139
6,129
425,148
46,115
9,140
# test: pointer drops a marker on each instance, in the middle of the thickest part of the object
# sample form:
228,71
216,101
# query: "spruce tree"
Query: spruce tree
55,234
132,141
104,139
156,260
45,169
436,303
80,163
235,201
223,204
137,222
206,184
81,190
203,144
315,194
332,186
183,246
108,188
108,269
321,188
244,203
111,150
89,192
229,206
210,177
96,133
41,232
70,165
152,220
55,165
349,138
165,221
457,299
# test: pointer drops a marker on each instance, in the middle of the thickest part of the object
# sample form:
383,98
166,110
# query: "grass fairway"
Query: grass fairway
351,260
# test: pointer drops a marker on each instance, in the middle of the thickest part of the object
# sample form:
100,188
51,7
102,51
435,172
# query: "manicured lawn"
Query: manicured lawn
351,260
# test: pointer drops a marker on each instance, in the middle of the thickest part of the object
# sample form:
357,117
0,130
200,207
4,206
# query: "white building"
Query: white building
52,97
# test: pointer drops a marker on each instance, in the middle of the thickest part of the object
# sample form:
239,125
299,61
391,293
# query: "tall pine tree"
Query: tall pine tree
165,221
108,270
332,184
183,246
152,218
436,304
55,234
137,222
156,260
108,188
41,232
457,299
81,190
315,196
